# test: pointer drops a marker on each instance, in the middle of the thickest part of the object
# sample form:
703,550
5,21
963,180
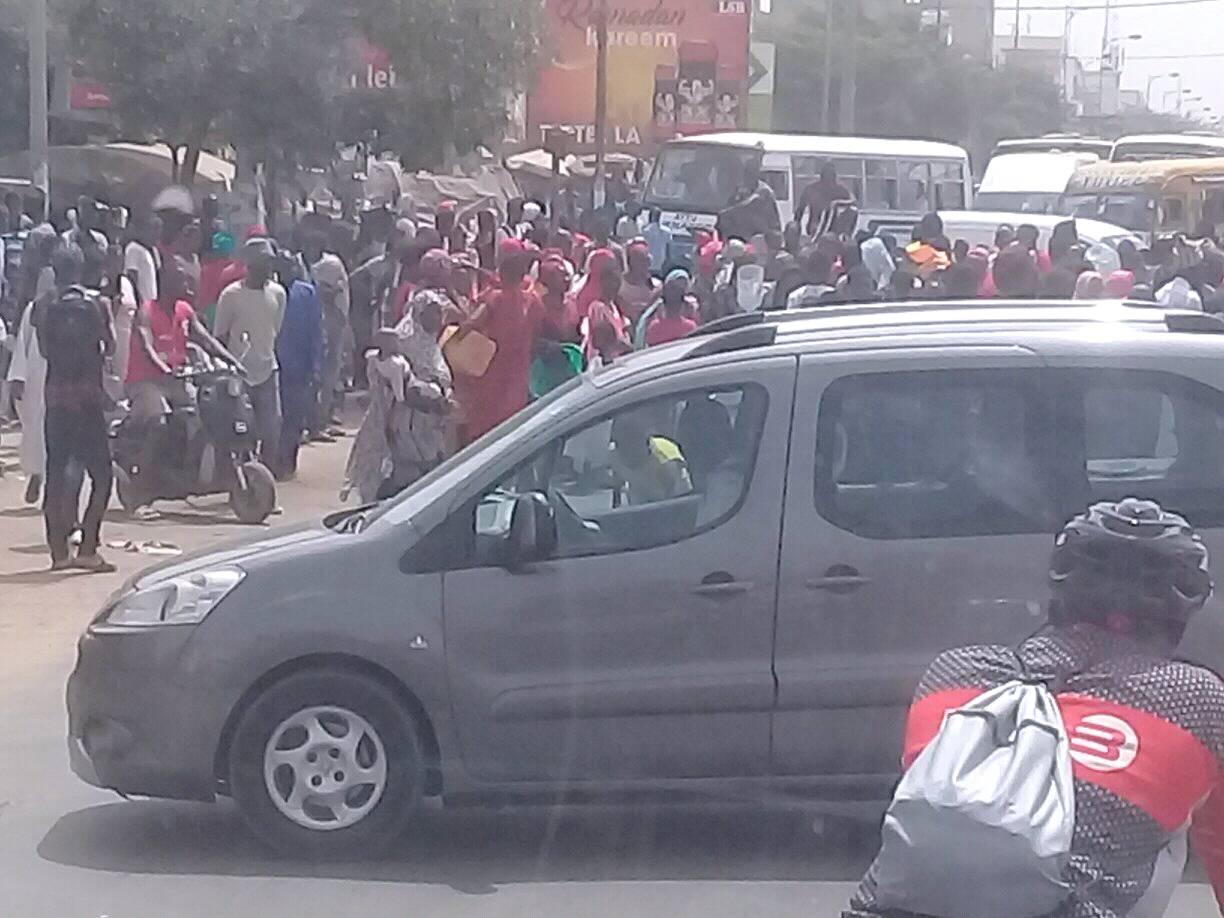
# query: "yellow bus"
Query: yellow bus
1157,197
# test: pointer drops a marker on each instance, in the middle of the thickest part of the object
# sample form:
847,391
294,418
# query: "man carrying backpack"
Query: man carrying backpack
984,825
74,331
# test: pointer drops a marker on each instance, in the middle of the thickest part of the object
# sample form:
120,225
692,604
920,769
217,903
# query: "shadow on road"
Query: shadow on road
475,851
186,517
42,575
18,513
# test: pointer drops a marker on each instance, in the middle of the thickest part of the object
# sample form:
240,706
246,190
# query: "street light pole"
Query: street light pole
37,40
1147,95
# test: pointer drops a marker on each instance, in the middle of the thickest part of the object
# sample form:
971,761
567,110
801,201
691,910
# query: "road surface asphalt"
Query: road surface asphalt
70,851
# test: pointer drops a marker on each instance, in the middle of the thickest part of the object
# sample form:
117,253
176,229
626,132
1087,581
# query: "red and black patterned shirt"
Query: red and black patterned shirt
1147,744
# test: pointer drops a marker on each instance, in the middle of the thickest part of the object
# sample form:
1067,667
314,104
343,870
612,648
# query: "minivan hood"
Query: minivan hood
236,552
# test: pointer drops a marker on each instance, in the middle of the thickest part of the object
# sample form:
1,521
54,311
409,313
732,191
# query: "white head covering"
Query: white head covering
1178,294
877,260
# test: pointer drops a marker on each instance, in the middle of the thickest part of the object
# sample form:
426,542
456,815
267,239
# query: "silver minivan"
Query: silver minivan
714,568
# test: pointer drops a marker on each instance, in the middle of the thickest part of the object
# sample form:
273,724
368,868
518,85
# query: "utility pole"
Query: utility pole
849,74
827,87
601,102
37,41
1104,57
1016,33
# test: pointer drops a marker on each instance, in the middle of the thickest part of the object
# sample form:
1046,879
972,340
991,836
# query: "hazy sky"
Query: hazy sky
1173,33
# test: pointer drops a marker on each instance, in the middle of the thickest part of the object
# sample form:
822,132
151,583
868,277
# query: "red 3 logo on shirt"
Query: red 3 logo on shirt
1103,742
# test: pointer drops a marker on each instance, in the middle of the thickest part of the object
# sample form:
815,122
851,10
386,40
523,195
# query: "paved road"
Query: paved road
70,851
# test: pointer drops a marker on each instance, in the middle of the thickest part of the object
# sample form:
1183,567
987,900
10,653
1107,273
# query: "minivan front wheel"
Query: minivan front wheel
327,764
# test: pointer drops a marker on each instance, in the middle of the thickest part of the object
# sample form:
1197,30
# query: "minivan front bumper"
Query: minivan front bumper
137,723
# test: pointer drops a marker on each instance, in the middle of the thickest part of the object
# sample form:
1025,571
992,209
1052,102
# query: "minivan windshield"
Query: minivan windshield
698,177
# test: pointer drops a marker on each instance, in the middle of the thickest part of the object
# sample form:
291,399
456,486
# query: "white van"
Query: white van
1137,148
1028,182
895,181
1055,143
978,227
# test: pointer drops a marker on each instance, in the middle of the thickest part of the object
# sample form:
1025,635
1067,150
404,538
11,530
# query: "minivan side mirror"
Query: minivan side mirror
533,530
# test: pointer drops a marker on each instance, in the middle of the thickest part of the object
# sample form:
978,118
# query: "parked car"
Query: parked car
978,227
714,567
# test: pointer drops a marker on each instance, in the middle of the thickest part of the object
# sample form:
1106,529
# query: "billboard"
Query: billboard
674,67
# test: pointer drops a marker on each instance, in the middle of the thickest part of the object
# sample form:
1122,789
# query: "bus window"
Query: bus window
1172,213
949,182
779,183
881,188
850,174
807,170
915,180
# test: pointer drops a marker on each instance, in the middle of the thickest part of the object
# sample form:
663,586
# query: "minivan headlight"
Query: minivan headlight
184,600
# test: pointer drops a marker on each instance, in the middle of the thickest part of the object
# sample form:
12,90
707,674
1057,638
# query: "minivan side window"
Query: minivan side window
1151,435
935,454
648,475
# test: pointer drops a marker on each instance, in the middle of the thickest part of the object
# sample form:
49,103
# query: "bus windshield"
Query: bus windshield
699,177
1133,210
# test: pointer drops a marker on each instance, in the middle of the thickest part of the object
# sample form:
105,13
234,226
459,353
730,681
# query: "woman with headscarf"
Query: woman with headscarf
607,333
434,274
558,352
420,424
506,314
409,273
1063,241
639,288
1089,286
1120,284
876,259
589,289
404,430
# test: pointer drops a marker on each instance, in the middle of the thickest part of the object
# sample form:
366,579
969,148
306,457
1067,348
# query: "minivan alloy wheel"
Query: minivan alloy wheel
325,768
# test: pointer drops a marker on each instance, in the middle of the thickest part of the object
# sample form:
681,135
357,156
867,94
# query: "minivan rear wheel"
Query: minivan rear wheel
327,764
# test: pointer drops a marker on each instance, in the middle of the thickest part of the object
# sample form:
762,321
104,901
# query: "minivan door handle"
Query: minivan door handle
721,584
840,579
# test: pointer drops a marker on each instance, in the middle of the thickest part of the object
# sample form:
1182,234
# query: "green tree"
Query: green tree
269,74
457,62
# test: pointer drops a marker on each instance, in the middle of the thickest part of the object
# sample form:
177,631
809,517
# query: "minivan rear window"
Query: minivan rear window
1155,435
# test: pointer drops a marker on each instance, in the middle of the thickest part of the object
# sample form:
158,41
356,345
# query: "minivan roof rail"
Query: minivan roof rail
738,339
886,307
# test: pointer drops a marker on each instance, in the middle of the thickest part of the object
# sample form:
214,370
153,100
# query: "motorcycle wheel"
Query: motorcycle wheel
254,503
131,496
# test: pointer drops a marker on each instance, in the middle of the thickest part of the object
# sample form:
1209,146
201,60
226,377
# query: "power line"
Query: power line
1007,7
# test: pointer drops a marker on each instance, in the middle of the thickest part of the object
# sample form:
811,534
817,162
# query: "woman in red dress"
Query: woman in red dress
507,314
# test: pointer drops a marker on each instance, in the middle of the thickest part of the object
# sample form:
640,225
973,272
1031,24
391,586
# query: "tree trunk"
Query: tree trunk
191,160
175,167
272,198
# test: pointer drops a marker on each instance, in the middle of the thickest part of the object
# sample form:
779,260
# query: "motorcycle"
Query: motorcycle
208,447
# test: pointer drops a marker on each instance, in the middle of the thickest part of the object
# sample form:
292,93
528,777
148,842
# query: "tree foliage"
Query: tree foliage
271,75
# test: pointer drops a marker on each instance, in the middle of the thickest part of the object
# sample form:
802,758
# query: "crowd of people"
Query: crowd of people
454,322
